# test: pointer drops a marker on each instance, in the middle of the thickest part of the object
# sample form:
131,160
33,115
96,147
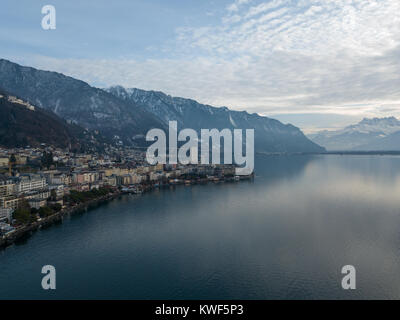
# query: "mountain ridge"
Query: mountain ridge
126,118
270,134
76,101
22,124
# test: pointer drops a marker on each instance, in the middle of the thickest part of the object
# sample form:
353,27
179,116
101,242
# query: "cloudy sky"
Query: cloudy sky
314,63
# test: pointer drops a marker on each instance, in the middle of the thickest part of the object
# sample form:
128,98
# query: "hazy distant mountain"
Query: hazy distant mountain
375,134
270,135
22,124
388,143
77,102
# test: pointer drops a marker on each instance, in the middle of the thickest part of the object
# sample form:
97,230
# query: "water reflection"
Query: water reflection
285,235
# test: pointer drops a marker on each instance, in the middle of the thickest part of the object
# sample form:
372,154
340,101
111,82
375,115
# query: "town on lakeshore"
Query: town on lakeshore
38,185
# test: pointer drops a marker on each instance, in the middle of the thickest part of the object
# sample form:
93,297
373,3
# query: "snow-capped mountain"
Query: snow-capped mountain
375,134
270,135
77,102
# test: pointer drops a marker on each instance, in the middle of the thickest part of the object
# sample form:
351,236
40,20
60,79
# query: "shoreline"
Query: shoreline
26,231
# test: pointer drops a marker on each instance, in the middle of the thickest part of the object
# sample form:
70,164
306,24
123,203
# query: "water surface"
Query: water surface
286,235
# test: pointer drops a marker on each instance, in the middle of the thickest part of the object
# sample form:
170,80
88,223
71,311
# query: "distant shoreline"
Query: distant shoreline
330,153
363,152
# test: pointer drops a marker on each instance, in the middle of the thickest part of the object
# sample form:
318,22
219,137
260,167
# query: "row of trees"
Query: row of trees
25,214
76,197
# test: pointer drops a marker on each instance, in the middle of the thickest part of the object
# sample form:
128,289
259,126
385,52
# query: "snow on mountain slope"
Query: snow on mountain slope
270,134
365,135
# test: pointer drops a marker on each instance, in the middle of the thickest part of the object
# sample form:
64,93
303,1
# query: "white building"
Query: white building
37,203
59,190
30,182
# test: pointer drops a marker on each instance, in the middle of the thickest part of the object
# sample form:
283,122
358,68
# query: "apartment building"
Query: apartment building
4,161
7,187
30,182
10,202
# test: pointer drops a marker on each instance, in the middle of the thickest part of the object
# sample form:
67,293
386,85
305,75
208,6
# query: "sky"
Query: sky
318,64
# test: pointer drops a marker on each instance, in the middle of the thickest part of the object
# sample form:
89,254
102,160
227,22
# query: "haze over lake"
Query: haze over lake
285,235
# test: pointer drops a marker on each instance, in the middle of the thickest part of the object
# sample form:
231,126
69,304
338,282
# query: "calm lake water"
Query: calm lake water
286,235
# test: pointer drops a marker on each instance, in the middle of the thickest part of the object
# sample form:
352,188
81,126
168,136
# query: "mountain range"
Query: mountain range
376,134
270,134
125,115
77,102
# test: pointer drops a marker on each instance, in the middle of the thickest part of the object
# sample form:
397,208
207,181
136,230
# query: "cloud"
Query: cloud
233,7
265,6
275,57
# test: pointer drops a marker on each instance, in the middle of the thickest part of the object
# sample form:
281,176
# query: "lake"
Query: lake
285,235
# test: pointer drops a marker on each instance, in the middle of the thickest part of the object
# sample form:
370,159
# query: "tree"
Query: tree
22,215
53,195
24,204
12,159
45,212
11,163
56,207
47,159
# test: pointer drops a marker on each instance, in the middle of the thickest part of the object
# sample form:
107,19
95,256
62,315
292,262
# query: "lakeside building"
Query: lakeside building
29,182
37,203
10,202
5,214
125,169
